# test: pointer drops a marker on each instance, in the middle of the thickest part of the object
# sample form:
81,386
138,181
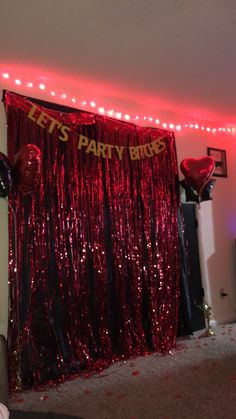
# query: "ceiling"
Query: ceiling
173,58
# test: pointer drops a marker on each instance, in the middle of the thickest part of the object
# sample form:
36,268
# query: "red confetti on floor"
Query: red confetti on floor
181,346
135,373
109,393
120,396
167,377
18,400
214,364
43,398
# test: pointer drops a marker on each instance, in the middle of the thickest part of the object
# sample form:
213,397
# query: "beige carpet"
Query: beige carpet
196,380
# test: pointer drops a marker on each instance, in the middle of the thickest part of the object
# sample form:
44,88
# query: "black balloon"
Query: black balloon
192,195
6,177
207,191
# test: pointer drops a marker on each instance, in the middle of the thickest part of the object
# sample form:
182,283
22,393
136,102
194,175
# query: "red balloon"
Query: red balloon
198,172
27,169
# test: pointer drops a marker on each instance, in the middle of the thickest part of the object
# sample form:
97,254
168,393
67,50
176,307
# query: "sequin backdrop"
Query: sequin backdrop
94,261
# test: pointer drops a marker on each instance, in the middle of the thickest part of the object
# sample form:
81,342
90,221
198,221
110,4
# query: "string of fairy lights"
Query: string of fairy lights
92,105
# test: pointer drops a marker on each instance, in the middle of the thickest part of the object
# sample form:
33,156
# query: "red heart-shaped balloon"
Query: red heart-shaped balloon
197,172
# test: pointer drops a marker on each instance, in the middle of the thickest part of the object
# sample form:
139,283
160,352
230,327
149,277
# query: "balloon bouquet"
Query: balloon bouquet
23,174
198,184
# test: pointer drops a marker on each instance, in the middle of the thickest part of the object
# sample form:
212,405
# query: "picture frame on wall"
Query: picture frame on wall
220,161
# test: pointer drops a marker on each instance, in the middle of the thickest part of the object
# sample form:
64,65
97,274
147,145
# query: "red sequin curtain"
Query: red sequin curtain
94,260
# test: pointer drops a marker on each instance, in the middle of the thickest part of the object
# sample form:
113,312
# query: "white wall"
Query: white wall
217,225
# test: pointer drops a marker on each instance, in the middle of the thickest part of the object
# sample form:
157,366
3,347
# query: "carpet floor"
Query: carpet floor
197,380
21,414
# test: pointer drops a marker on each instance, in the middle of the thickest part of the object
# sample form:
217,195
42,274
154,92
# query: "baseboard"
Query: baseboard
213,323
222,320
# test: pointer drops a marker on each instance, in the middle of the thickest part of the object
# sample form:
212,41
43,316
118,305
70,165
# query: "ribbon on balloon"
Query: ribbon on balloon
198,183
